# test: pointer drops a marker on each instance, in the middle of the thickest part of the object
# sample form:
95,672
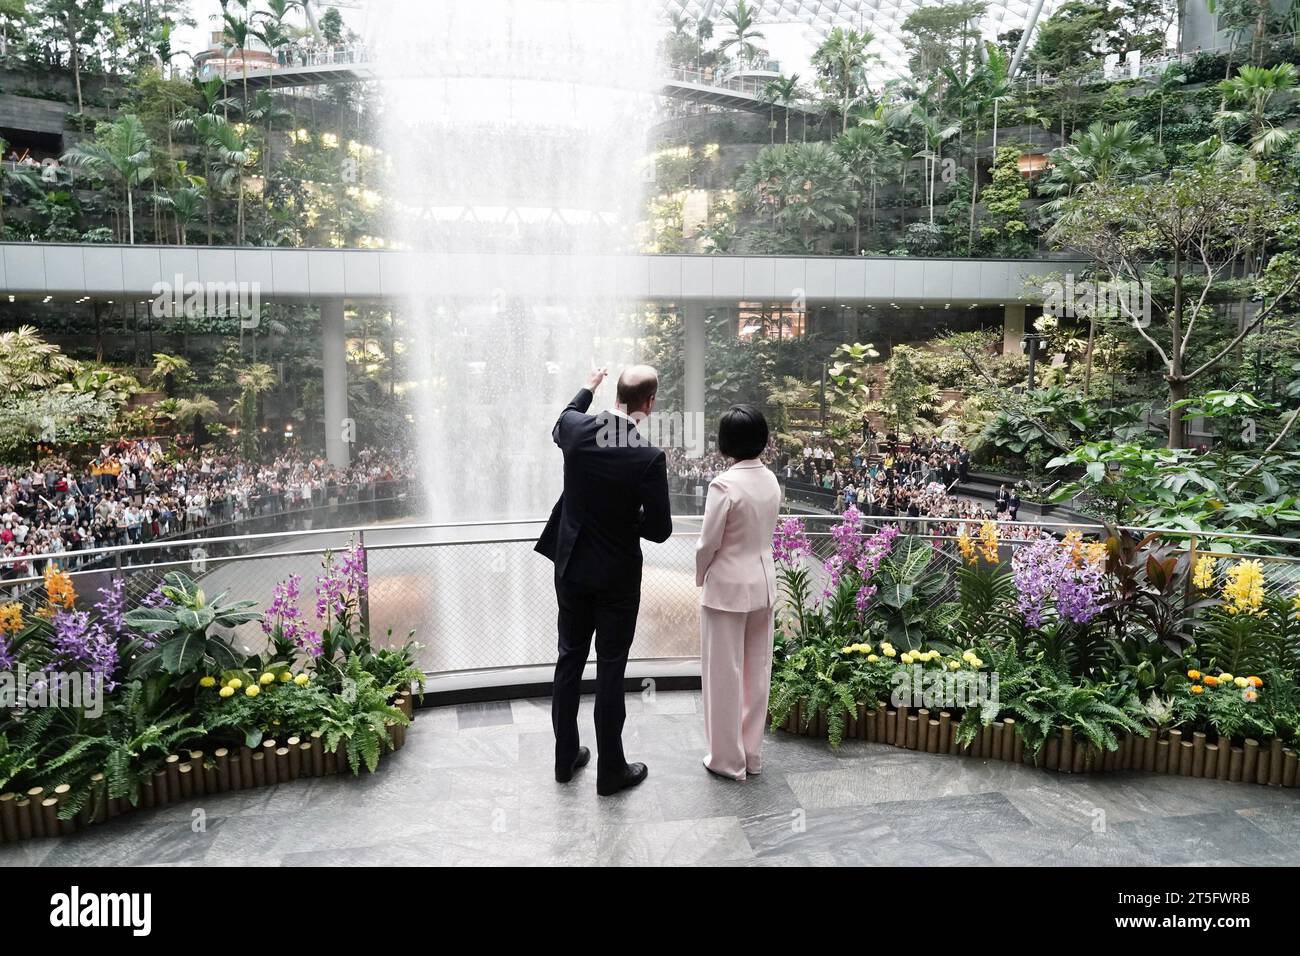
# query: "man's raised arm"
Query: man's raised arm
579,405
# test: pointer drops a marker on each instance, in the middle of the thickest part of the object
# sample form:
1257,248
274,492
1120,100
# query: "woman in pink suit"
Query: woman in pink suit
733,563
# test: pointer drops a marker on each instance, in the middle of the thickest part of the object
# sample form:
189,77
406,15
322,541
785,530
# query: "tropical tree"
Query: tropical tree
201,122
784,90
122,152
841,63
869,155
1256,93
1187,233
232,157
743,20
169,371
253,382
1101,152
1167,82
28,363
14,175
804,187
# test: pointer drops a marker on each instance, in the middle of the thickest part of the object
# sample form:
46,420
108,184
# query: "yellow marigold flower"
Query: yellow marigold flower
1255,681
301,679
1211,680
1197,689
1203,574
989,541
285,677
890,652
235,683
227,691
953,665
865,648
252,691
906,658
846,649
1241,682
1226,677
1193,675
267,678
871,659
207,682
1243,592
968,656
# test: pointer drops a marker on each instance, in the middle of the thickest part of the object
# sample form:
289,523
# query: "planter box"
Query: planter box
182,777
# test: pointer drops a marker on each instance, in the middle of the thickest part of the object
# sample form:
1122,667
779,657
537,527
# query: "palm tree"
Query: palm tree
933,135
253,381
123,152
192,411
1098,153
264,109
868,153
233,155
200,123
168,370
186,203
744,31
1255,91
998,87
784,90
13,174
1169,80
29,363
235,34
842,61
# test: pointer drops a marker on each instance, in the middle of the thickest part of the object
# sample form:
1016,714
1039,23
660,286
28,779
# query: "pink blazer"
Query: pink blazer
733,560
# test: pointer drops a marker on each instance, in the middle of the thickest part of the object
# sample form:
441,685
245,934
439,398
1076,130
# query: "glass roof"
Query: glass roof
884,18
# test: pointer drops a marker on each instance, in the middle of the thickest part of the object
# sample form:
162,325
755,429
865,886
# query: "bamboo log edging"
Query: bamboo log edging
1191,754
193,773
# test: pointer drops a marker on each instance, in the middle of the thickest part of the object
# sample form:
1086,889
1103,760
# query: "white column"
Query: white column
334,363
1013,327
694,343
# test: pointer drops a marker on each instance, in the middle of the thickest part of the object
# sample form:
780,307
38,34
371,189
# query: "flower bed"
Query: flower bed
1117,654
155,705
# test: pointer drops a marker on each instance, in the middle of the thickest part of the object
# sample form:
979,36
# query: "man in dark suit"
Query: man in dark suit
615,493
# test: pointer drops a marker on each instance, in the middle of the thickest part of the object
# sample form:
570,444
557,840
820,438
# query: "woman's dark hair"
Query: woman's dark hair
742,433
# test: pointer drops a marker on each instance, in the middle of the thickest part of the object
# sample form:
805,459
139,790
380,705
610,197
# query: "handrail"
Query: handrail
163,543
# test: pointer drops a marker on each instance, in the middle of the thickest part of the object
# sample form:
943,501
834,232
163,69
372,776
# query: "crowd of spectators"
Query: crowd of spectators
133,491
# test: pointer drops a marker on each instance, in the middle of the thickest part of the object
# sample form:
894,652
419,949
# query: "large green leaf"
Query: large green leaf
182,653
152,620
223,655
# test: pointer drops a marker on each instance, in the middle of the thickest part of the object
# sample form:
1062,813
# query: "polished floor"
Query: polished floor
474,786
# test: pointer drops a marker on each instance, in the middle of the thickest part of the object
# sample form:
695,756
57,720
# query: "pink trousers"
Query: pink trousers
735,676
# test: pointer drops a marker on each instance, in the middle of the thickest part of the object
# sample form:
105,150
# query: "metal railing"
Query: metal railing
478,597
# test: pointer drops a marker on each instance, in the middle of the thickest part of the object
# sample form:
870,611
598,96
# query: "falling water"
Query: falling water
515,137
512,127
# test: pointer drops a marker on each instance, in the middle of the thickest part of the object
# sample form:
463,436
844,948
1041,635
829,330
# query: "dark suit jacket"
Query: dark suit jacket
615,493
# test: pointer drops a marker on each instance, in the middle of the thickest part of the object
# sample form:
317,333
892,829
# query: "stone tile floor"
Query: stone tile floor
474,786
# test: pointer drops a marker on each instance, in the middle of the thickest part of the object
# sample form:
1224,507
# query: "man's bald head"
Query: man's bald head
637,387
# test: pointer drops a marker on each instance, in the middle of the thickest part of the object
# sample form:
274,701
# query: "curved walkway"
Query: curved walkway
474,786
